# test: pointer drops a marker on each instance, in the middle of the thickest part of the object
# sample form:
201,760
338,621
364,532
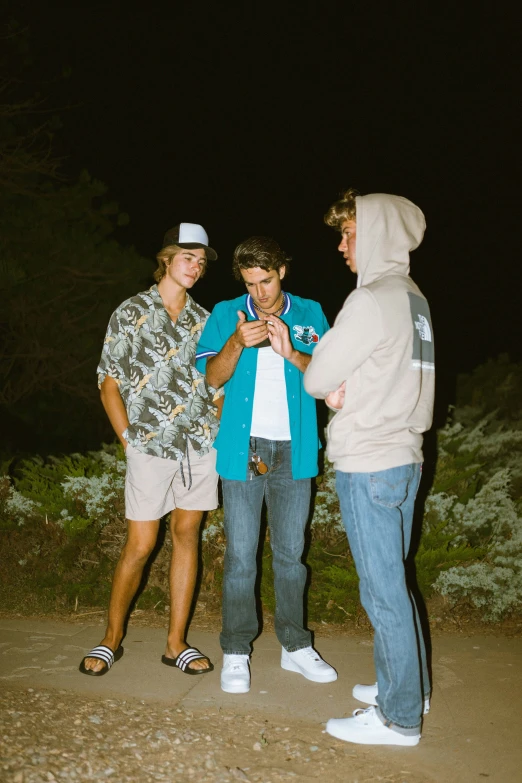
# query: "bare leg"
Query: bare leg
141,537
184,527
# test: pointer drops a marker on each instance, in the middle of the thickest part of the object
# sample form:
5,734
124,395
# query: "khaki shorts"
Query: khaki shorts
154,485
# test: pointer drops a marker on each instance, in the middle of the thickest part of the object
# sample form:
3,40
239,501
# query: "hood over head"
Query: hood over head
388,229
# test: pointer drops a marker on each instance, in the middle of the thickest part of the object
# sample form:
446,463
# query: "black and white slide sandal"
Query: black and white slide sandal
184,660
104,654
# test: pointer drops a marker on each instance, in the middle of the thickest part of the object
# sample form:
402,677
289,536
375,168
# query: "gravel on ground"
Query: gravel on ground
48,736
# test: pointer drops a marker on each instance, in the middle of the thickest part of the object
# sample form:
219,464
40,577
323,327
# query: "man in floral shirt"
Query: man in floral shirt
165,415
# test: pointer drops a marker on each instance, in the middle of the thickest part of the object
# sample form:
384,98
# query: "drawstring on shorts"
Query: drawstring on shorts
188,465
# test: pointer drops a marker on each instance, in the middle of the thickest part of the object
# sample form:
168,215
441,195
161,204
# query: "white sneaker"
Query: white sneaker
365,728
368,695
309,663
235,674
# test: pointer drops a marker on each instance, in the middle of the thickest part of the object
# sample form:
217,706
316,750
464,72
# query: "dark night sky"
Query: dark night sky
252,121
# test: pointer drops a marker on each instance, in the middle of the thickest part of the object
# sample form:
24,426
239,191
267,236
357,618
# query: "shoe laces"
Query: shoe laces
365,715
310,653
237,662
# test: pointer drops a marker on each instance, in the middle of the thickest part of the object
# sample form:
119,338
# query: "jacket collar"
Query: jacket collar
253,312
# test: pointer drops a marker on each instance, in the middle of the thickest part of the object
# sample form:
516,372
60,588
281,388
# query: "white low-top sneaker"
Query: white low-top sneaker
309,663
235,674
368,695
365,728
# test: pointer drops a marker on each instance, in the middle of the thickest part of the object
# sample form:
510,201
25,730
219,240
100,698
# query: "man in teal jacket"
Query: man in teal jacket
258,346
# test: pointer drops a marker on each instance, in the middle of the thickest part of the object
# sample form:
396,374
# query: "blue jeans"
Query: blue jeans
377,511
288,505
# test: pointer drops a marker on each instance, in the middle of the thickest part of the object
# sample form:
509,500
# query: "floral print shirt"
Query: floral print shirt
151,358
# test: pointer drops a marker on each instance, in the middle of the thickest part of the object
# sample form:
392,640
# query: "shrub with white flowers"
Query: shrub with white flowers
470,551
96,493
483,511
14,505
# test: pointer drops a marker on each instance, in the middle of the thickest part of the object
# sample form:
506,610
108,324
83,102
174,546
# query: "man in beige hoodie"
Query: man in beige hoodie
375,368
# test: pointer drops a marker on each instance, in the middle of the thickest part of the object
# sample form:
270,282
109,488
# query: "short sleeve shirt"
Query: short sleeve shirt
151,358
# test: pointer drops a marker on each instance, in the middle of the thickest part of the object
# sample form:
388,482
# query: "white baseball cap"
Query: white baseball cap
189,235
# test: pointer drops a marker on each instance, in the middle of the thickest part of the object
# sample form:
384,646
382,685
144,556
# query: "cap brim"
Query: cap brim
211,254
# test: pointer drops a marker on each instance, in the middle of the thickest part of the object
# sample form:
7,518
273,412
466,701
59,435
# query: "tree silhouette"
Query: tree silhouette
61,274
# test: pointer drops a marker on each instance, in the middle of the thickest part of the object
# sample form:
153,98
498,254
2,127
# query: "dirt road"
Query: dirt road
144,721
52,735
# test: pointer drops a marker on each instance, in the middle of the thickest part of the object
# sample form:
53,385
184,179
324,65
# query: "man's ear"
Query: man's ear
282,271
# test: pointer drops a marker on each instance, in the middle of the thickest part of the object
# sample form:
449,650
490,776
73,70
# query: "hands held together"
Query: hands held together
251,333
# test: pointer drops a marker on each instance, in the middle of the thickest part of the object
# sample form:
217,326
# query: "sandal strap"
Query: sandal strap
103,653
187,656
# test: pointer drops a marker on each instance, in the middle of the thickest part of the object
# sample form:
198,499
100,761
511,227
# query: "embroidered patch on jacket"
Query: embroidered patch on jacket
306,334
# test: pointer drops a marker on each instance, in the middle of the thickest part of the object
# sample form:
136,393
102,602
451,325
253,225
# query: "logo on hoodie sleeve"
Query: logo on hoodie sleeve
423,354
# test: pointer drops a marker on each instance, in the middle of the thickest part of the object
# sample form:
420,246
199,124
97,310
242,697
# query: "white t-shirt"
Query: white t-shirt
270,418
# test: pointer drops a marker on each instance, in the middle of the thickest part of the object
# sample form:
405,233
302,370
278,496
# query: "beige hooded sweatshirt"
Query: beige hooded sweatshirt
381,345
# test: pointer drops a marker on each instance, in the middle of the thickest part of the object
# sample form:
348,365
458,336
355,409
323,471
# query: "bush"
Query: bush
480,509
62,521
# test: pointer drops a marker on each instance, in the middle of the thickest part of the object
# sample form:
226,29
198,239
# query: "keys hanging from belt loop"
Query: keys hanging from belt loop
257,466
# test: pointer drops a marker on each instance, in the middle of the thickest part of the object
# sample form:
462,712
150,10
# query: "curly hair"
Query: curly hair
343,209
164,258
263,252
